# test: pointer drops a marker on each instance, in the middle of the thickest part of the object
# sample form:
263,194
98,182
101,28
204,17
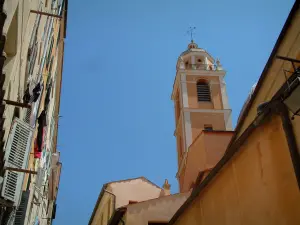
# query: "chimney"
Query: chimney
166,189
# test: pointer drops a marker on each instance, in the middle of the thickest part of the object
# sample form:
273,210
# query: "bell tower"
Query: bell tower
200,101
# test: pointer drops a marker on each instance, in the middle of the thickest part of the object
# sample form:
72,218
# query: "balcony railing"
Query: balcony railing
200,67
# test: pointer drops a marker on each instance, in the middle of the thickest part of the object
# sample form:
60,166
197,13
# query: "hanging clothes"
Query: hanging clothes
42,122
36,92
37,153
47,98
26,97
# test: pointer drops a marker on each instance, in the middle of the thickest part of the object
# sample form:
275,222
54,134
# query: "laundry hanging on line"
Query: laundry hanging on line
36,92
47,98
37,153
42,123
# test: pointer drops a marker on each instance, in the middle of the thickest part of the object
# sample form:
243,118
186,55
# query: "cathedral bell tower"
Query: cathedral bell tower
200,101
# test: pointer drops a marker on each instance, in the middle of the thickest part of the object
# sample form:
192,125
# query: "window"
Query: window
58,38
203,91
208,127
49,53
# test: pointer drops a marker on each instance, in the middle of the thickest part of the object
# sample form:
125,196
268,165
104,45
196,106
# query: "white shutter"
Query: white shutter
16,155
21,211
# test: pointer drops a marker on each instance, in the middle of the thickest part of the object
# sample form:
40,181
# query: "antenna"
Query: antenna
191,31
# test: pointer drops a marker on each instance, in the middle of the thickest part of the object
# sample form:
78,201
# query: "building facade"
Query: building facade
247,176
257,180
32,48
135,201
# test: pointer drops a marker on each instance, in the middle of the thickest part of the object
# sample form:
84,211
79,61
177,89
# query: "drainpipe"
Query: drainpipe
291,140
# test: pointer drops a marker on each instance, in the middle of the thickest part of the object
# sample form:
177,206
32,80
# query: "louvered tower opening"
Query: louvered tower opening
203,91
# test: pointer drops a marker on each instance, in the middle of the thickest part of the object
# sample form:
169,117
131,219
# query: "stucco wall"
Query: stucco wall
199,119
134,190
104,210
216,102
161,209
290,47
258,185
207,149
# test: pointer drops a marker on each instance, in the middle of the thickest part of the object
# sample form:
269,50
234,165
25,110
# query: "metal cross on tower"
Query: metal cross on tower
191,31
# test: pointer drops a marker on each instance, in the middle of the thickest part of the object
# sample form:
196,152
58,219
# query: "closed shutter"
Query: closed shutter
16,155
203,92
21,211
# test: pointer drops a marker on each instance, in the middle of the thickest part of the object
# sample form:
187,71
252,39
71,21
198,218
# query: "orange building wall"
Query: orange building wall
214,88
258,185
198,120
207,149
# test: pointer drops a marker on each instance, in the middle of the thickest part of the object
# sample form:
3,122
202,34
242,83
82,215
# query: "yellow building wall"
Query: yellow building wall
290,47
104,210
56,27
258,185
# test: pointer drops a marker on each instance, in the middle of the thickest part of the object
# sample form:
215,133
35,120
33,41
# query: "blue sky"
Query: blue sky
117,116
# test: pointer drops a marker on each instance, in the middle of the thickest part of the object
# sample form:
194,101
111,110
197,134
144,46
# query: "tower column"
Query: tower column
188,129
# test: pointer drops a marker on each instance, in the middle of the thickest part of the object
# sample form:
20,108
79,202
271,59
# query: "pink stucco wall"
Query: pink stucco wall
159,210
134,190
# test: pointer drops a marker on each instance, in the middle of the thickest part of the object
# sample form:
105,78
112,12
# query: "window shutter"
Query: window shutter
203,92
16,155
21,211
27,115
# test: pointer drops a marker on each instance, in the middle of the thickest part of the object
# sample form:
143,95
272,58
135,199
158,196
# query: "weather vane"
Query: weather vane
191,31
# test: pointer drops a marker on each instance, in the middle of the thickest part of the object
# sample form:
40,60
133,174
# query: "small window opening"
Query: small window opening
203,92
208,127
199,60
